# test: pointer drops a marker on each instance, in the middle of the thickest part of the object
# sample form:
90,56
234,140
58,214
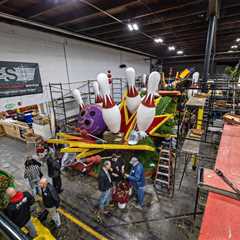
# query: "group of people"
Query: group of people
20,203
112,173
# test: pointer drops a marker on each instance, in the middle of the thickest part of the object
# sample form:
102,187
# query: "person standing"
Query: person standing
117,170
51,200
19,210
33,174
105,186
136,178
54,172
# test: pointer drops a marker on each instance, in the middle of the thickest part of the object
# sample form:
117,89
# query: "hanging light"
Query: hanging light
234,46
158,40
238,40
133,27
130,27
180,52
171,48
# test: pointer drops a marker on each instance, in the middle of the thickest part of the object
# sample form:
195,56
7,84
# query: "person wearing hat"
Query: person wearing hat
136,178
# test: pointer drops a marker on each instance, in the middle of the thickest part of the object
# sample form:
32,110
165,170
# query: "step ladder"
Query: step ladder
164,178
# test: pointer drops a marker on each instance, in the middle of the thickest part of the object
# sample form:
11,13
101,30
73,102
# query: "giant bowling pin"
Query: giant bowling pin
78,98
147,108
110,111
195,78
133,99
98,97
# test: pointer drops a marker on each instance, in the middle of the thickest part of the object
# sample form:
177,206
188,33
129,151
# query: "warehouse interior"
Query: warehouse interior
119,119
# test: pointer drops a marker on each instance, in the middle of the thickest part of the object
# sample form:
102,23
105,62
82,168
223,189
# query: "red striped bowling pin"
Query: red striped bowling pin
78,98
98,97
110,111
147,108
133,99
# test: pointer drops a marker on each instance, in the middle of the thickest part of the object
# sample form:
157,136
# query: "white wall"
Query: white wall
84,60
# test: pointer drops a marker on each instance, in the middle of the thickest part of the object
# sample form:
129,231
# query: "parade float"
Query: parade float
136,126
6,180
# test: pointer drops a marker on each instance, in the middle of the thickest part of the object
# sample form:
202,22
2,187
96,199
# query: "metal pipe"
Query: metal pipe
70,34
208,50
10,229
198,55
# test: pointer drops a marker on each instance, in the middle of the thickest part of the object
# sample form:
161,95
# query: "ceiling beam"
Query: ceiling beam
3,2
186,13
174,33
116,8
43,7
162,19
165,8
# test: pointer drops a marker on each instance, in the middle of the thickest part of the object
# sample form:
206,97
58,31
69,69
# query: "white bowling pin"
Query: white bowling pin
133,98
110,111
195,78
98,97
147,108
78,98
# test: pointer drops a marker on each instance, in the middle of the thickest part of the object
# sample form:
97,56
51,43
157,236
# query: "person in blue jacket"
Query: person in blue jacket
136,178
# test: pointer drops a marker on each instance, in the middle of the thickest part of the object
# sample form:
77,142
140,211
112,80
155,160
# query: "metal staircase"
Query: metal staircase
164,178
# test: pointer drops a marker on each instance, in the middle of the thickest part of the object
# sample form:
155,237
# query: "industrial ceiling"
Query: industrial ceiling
179,23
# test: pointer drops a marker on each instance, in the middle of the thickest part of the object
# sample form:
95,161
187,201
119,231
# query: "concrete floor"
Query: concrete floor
80,196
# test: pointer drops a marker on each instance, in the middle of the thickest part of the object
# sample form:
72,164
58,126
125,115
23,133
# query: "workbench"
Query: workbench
221,219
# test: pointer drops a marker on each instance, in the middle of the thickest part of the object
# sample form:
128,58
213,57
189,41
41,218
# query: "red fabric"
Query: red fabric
210,178
17,198
221,218
121,194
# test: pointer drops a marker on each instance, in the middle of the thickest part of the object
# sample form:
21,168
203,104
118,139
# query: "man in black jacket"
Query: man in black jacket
51,200
19,210
54,172
105,186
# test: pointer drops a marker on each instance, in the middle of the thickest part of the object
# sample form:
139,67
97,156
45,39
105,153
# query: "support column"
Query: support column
208,50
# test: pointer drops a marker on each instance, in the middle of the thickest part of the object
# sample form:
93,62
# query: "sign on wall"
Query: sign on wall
17,79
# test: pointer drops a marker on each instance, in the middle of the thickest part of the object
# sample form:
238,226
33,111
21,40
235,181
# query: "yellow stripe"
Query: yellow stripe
82,225
88,153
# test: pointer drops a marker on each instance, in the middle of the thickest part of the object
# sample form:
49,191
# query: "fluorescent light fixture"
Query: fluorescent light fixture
230,50
135,26
158,40
180,52
130,27
171,48
238,40
234,46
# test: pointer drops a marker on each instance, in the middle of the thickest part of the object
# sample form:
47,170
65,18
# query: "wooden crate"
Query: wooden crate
15,129
2,132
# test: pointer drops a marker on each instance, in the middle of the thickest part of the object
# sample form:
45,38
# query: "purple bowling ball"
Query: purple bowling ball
91,120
